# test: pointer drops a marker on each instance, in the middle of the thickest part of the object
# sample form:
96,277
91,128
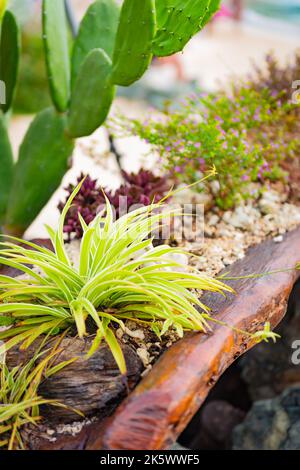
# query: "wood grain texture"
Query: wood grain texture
93,386
161,406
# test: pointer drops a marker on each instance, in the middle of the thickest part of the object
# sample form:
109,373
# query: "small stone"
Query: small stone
215,187
144,356
213,220
278,239
136,334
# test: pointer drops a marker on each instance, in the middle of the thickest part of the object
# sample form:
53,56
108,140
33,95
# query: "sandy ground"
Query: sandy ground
211,59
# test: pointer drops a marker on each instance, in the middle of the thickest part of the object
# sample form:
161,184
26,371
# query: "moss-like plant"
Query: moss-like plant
120,275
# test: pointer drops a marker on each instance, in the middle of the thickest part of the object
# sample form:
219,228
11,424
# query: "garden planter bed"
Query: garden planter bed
159,408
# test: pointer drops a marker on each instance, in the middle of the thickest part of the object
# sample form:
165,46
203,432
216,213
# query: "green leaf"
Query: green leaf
6,321
79,316
9,57
6,167
55,34
97,30
133,49
116,350
92,95
43,161
96,343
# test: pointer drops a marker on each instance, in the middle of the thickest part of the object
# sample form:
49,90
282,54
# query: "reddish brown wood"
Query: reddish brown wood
160,407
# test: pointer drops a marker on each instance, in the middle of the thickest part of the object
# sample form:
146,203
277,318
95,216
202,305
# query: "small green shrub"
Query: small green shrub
246,134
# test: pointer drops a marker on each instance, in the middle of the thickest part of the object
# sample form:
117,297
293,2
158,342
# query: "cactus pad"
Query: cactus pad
6,167
2,7
133,48
43,161
213,8
55,36
98,30
178,21
92,95
9,57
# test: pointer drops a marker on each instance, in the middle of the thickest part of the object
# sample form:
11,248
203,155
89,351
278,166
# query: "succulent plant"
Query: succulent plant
142,188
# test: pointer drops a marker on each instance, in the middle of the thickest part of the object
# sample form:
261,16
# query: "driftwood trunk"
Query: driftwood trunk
94,386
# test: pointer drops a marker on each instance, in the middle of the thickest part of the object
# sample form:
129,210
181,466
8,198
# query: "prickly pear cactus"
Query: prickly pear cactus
92,95
114,47
133,48
6,168
178,21
55,35
9,57
98,30
43,161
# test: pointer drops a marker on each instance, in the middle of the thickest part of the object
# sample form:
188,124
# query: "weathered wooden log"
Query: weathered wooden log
160,407
94,386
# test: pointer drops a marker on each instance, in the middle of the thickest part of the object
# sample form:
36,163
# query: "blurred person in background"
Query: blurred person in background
237,9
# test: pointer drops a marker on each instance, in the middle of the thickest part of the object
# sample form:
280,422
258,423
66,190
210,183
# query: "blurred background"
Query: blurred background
242,33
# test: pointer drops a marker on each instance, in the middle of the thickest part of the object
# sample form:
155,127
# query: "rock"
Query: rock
189,196
215,187
213,220
243,217
218,419
275,360
177,447
144,356
272,424
269,202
